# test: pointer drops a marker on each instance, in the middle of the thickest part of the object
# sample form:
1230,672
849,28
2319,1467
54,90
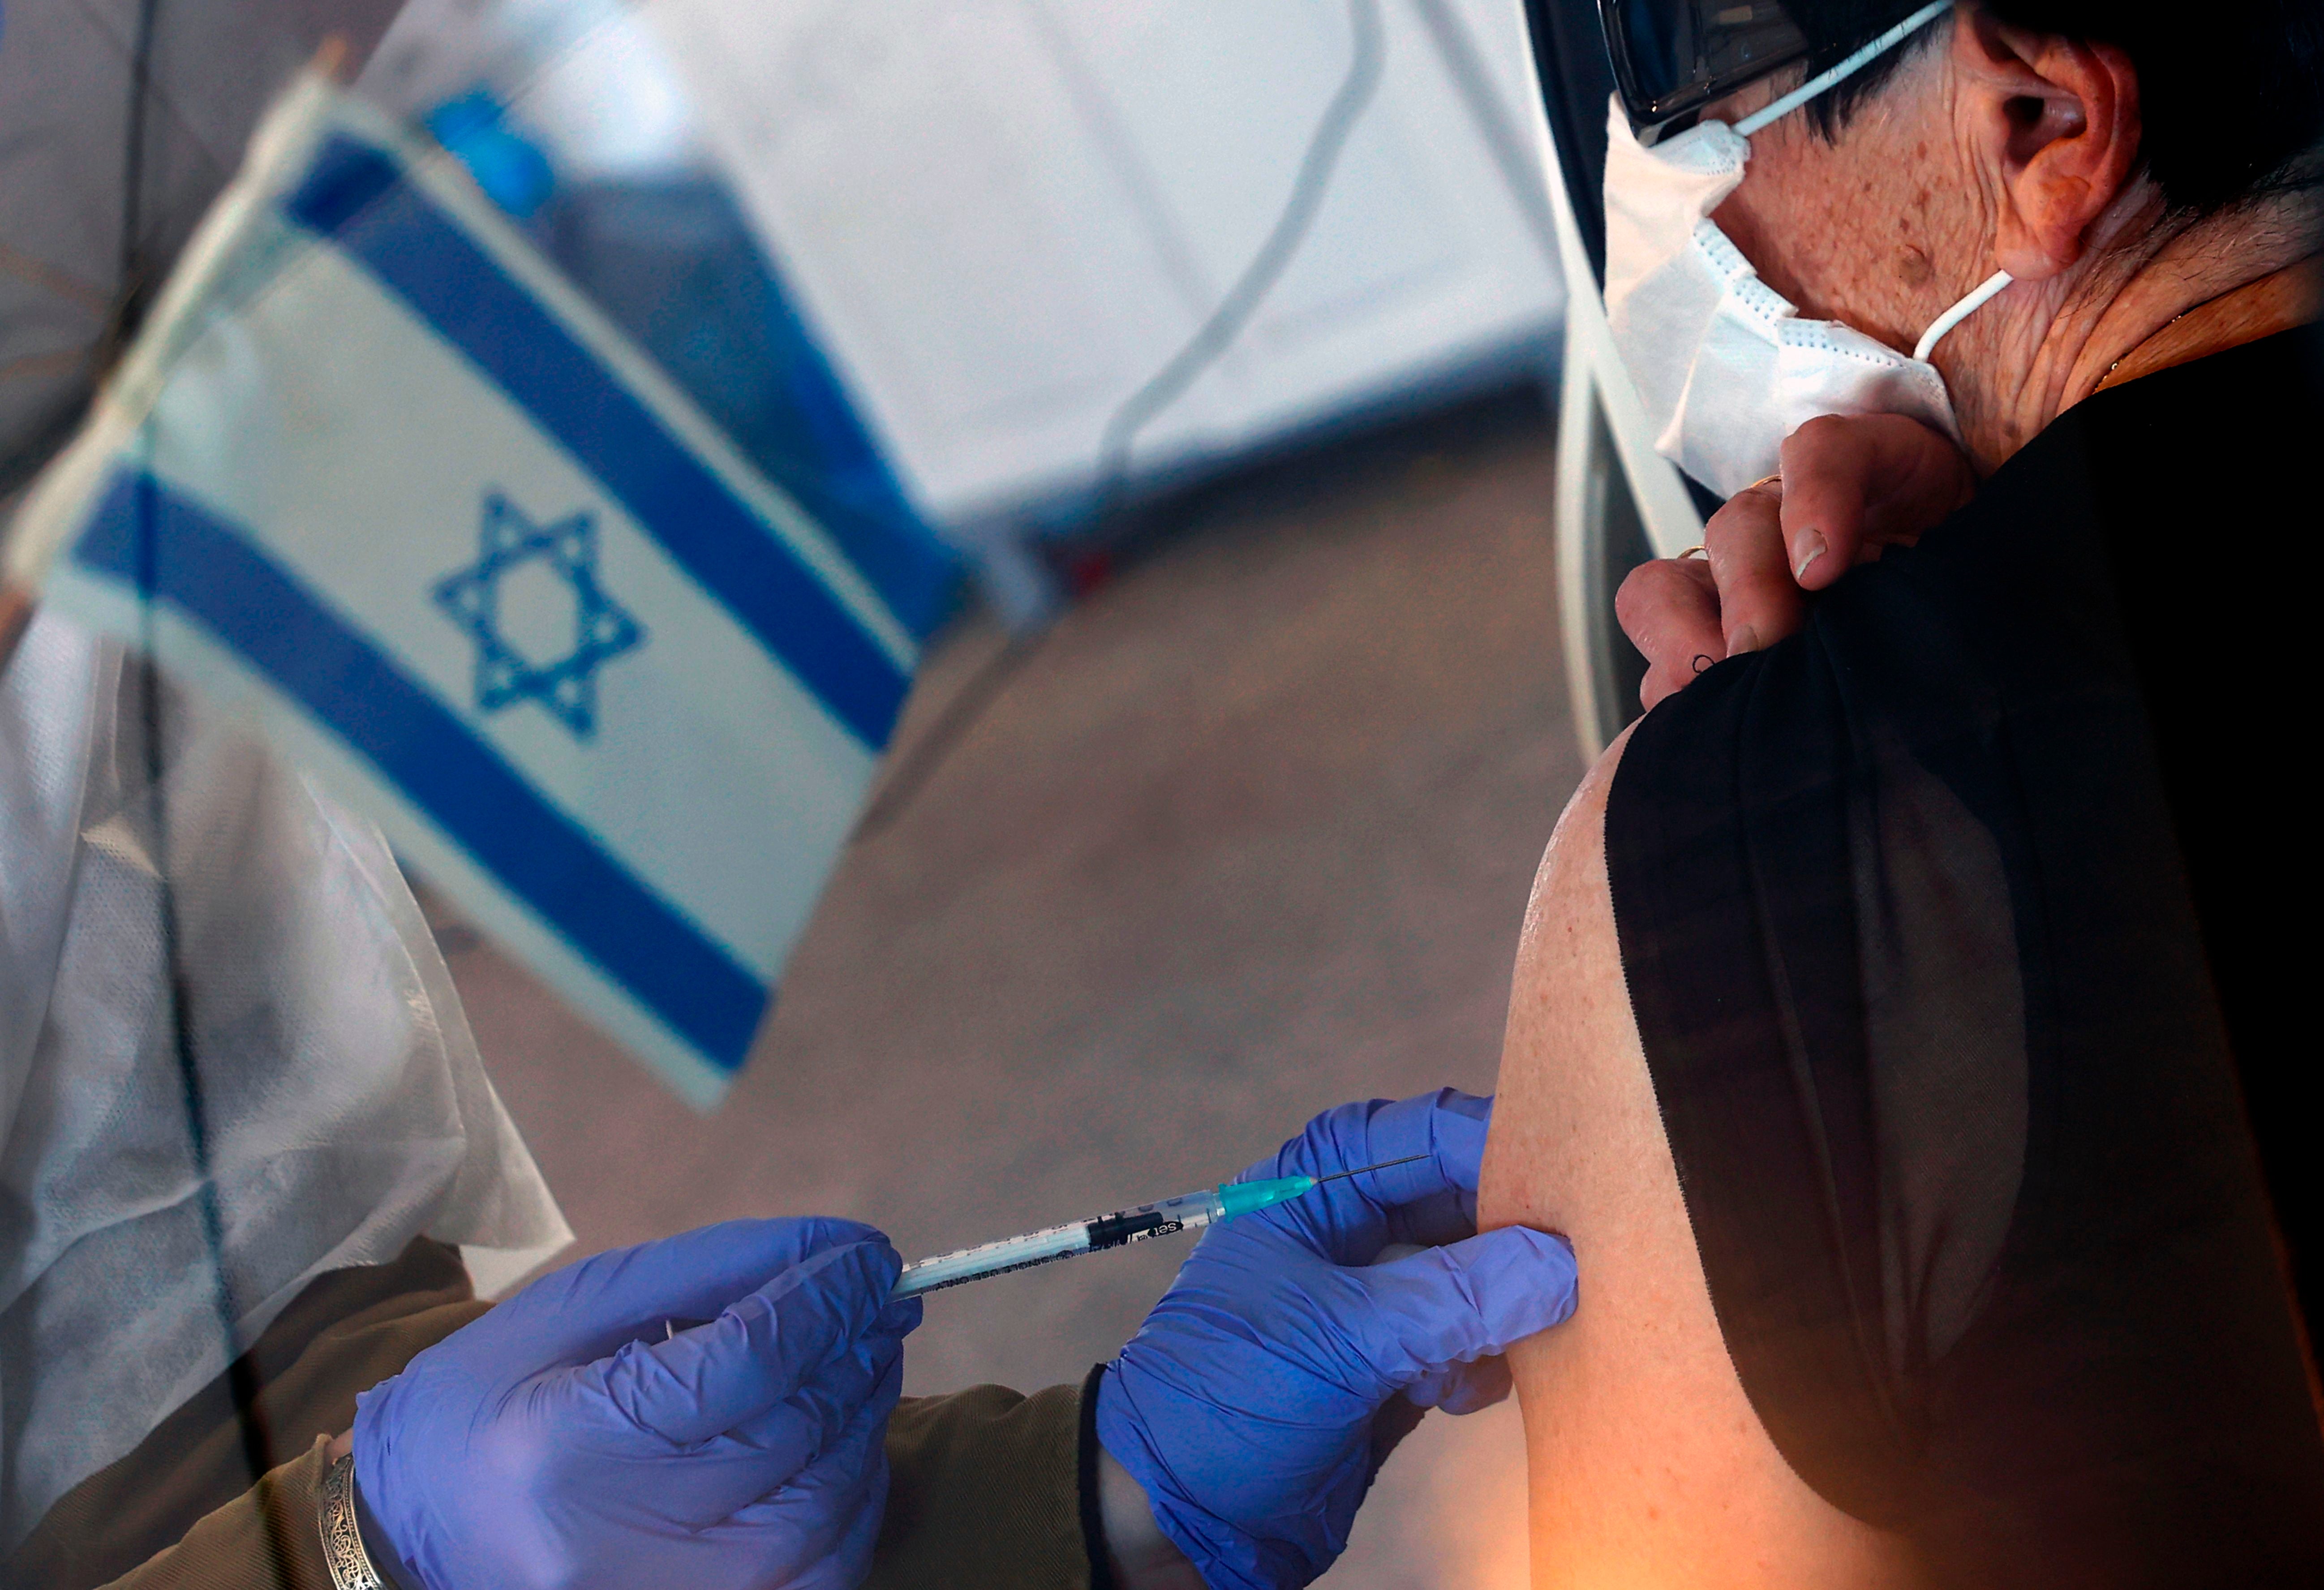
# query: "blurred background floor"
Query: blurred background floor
1248,833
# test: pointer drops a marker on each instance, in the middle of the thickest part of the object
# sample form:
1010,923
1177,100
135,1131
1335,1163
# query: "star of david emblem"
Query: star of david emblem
566,550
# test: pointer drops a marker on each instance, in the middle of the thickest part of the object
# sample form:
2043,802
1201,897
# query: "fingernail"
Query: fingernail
1745,639
1806,548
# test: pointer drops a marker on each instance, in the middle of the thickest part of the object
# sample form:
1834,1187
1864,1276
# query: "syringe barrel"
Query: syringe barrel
1015,1252
1185,1212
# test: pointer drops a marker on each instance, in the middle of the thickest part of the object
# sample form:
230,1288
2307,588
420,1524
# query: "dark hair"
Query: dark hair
2231,92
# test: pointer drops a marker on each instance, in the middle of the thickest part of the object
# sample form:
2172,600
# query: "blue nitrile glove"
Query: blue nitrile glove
560,1440
1255,1404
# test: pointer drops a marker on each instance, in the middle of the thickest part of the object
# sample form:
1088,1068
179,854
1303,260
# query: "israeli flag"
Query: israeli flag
377,475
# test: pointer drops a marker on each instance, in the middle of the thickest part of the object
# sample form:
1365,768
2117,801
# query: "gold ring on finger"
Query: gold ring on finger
1775,480
1692,550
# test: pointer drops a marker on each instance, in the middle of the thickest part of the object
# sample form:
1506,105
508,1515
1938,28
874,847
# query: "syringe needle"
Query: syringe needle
1359,1170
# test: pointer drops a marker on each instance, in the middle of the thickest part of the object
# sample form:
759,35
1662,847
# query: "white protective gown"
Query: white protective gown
340,1095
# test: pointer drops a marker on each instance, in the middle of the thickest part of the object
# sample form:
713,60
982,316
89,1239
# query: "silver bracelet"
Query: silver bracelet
343,1546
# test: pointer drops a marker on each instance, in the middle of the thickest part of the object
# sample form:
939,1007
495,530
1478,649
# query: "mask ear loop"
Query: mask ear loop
1847,67
1957,313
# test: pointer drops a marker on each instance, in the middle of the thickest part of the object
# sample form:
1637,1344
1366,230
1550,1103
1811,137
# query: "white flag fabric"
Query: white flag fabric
376,474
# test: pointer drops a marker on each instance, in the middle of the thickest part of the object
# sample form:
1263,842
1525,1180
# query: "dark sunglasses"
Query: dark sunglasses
1671,57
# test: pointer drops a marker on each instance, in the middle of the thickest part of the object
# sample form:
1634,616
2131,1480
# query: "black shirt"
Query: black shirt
1965,934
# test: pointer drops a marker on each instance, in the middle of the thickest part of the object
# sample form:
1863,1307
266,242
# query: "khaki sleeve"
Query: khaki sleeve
986,1491
175,1497
266,1539
985,1494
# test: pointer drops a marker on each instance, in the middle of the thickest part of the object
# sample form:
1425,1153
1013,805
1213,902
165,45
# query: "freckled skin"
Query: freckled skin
1823,230
1941,142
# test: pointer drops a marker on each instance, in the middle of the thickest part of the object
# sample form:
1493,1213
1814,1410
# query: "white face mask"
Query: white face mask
1725,364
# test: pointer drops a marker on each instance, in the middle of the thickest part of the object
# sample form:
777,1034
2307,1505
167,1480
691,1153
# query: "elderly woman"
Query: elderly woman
1900,1029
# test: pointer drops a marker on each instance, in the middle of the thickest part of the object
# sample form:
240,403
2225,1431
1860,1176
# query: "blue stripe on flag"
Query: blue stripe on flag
357,196
207,570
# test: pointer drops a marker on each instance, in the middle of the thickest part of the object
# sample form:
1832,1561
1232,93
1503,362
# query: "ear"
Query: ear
2054,122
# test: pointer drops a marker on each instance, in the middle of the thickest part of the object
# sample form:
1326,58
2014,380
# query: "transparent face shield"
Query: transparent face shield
223,1001
236,1076
235,1066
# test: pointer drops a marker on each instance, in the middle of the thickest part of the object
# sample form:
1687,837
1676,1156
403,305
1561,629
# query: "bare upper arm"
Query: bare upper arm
1647,1463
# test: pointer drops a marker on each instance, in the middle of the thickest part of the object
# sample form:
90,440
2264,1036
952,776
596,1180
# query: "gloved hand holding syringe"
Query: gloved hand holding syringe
1244,1419
1186,1212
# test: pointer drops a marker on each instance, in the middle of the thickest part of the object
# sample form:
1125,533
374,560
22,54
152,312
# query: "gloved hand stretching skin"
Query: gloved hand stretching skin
1262,1395
560,1440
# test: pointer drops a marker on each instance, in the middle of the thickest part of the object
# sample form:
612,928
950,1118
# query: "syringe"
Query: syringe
1123,1227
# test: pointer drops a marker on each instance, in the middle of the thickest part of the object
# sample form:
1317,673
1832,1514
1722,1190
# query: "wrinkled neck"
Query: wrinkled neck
2130,312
